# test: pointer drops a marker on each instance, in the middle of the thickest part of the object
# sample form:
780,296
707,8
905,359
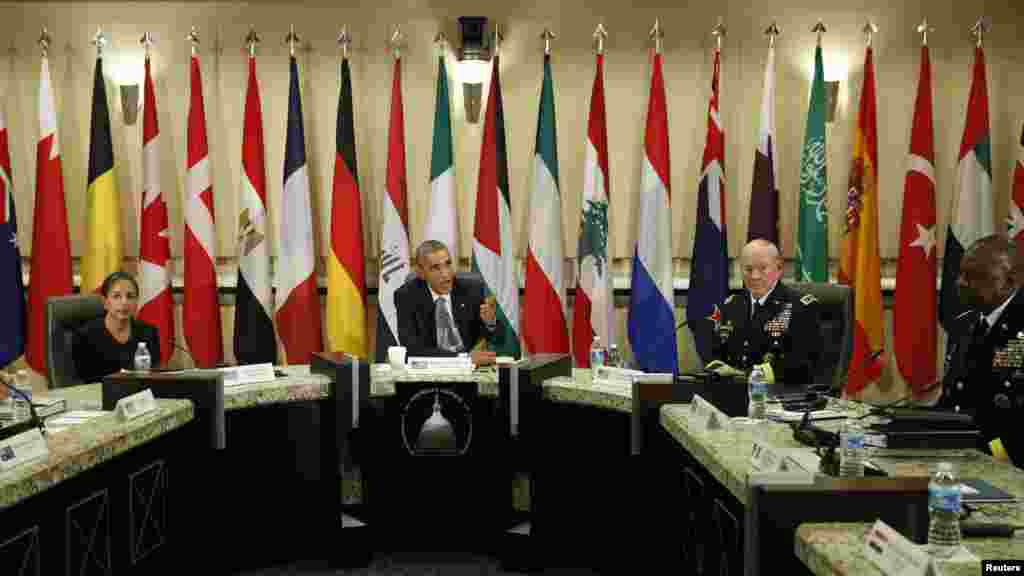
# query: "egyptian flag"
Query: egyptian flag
12,287
709,275
1016,223
972,216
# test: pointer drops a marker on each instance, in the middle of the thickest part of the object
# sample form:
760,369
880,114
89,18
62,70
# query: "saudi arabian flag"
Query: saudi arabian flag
812,243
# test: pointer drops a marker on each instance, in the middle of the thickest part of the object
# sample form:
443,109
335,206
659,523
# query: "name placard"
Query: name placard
248,374
706,416
136,405
894,554
23,448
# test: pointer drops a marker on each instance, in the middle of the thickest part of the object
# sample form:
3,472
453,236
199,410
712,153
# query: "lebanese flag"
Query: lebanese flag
544,324
1016,222
594,310
915,331
200,310
51,247
156,306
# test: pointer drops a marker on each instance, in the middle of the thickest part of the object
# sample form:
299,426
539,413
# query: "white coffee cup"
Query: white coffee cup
396,356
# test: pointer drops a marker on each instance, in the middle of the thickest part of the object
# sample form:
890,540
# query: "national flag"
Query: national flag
764,195
156,304
254,340
103,244
709,272
652,333
51,247
812,246
12,287
1016,219
493,254
972,216
298,296
346,267
442,223
544,328
201,308
594,307
915,330
394,243
859,261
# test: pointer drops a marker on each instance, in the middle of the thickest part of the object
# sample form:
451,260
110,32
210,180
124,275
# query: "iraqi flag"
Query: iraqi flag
651,322
972,216
709,274
298,296
544,328
12,287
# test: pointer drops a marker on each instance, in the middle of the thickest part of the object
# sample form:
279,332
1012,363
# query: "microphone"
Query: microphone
33,422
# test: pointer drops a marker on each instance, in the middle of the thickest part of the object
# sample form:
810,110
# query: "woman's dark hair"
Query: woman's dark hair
115,277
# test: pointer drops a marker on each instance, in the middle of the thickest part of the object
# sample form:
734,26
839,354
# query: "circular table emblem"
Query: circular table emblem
437,422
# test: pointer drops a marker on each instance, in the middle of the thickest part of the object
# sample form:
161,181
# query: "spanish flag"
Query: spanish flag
103,246
859,259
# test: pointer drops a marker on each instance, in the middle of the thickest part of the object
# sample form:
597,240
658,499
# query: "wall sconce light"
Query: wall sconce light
831,100
474,59
130,103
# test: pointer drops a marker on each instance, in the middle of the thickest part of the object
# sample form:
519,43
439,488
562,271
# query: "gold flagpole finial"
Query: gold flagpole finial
719,33
397,42
924,29
193,40
147,42
600,36
980,28
657,34
819,29
44,41
99,41
344,41
291,39
772,32
497,39
251,40
441,40
870,29
547,36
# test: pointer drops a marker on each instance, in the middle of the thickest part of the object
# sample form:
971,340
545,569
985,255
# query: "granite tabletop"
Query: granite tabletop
87,445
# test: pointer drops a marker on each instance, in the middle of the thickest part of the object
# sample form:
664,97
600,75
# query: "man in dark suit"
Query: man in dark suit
985,361
439,315
769,322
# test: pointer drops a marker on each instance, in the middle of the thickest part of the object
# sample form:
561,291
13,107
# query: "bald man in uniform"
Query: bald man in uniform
769,321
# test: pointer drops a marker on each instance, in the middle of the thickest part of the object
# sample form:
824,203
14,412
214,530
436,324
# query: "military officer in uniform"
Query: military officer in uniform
985,360
769,322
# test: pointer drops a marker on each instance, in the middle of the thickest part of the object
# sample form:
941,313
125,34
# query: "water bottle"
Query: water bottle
758,390
143,361
852,450
614,356
22,410
598,356
944,511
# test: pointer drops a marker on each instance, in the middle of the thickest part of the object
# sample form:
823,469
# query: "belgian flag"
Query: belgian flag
103,243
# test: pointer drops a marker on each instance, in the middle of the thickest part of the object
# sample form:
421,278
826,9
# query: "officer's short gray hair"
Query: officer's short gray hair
428,247
763,244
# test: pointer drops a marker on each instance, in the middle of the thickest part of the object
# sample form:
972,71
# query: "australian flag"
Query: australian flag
12,289
709,272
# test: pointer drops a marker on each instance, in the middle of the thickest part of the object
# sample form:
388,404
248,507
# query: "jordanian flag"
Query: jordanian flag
442,223
812,241
493,254
972,215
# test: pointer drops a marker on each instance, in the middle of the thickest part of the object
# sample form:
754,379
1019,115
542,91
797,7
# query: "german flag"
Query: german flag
103,244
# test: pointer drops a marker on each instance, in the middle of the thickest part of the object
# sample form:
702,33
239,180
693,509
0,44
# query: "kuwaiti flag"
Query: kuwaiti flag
156,304
51,247
652,332
394,244
346,262
254,340
764,195
709,273
915,330
493,257
103,243
12,287
1016,219
594,309
859,261
298,296
200,311
442,223
544,328
972,215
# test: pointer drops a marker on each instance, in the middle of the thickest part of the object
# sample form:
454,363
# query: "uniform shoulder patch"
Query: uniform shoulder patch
729,298
807,299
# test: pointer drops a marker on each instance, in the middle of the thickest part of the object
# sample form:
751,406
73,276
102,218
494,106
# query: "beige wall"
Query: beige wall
688,49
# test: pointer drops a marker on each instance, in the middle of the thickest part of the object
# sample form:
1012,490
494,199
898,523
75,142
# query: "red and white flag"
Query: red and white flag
156,306
51,247
915,328
201,310
1016,219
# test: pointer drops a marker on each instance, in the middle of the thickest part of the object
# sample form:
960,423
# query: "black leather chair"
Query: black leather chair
64,314
836,301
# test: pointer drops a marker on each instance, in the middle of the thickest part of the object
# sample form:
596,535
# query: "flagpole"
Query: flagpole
870,29
397,42
344,41
924,29
980,28
772,32
44,42
99,41
819,29
193,39
251,40
657,34
718,32
291,39
600,36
